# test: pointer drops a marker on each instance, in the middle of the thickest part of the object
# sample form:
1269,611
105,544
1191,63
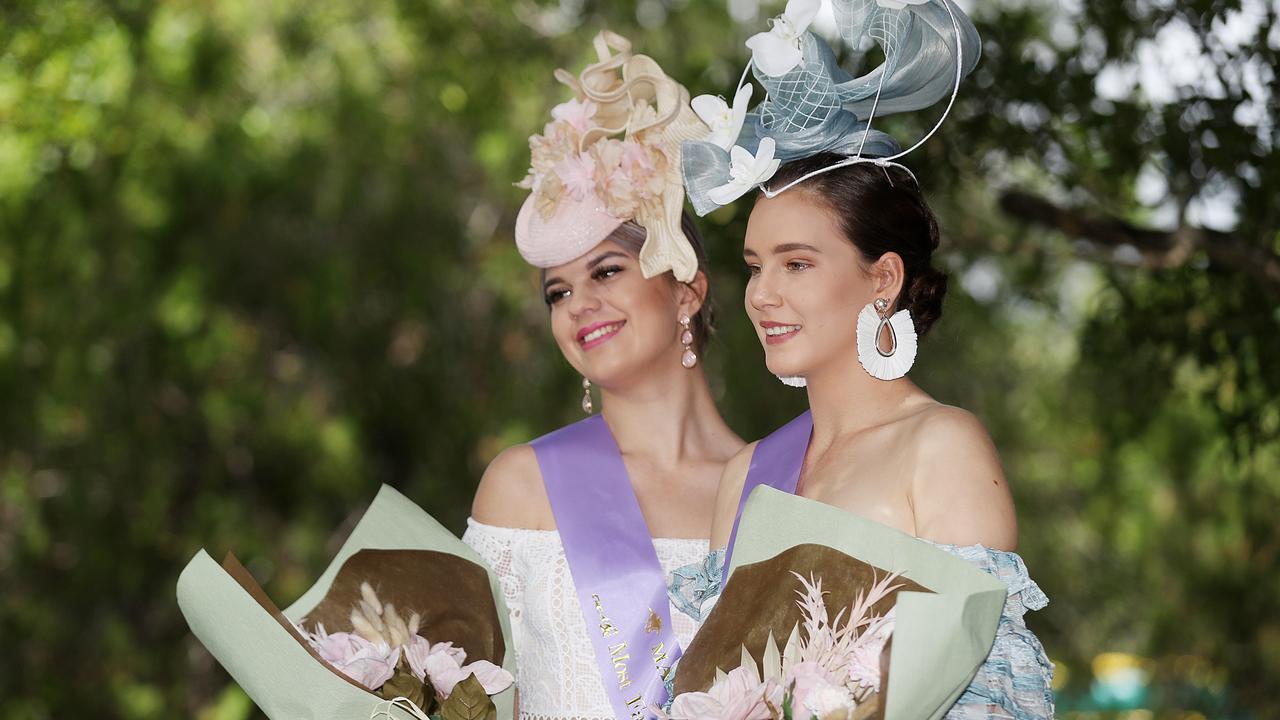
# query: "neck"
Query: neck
844,399
667,414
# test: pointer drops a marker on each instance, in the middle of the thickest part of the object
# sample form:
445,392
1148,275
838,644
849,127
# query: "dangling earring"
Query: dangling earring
586,396
689,358
888,364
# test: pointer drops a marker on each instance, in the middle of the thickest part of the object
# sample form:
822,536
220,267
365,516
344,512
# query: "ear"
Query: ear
887,275
691,295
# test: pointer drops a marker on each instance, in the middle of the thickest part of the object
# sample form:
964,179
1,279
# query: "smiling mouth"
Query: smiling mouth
775,334
590,337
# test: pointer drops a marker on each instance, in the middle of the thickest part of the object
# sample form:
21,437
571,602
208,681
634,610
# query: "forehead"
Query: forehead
792,217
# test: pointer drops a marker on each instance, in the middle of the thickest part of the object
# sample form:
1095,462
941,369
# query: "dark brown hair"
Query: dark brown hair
631,236
880,210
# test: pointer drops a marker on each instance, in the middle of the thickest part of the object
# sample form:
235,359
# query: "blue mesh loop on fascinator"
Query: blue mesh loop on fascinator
803,115
817,107
920,50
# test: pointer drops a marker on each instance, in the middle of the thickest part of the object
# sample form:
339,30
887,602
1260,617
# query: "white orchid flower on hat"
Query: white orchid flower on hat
746,171
725,122
777,51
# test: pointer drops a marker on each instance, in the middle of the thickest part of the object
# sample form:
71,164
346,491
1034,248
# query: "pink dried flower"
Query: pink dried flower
557,142
415,653
740,695
370,664
828,702
636,159
577,114
442,664
373,665
804,678
864,665
577,173
831,642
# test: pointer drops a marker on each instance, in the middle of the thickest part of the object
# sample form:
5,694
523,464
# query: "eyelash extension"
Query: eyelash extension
601,273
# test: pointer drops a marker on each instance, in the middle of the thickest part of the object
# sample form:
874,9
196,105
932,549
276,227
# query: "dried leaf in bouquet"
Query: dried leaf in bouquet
375,588
468,701
404,684
753,610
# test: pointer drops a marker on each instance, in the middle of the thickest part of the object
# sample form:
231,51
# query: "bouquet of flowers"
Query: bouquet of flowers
828,673
386,632
911,624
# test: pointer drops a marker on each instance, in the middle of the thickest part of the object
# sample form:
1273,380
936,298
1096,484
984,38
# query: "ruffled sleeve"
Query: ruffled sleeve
695,587
497,546
1016,678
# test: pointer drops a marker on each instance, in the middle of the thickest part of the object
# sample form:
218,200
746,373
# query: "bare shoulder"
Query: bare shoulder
959,491
944,433
728,494
511,493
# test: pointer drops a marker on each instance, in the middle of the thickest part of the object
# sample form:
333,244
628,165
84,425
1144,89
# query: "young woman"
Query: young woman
589,526
827,260
839,249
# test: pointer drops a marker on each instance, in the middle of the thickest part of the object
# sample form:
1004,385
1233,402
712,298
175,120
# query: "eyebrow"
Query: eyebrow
604,256
590,266
783,248
793,247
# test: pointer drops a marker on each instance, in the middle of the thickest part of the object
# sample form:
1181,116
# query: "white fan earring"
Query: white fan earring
873,322
689,358
586,396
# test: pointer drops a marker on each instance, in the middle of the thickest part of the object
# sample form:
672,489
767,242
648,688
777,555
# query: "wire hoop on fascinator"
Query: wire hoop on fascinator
813,106
609,155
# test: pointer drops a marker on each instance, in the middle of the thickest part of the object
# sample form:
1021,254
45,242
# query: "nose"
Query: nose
582,301
762,291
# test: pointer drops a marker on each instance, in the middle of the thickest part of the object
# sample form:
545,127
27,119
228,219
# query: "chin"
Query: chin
791,369
788,372
604,370
785,369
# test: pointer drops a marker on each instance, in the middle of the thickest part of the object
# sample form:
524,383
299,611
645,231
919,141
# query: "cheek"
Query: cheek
651,312
827,298
646,300
562,327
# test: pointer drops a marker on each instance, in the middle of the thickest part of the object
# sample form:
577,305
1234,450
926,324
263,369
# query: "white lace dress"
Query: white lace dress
556,672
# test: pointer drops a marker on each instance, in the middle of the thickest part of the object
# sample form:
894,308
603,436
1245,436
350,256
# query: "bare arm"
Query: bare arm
728,495
511,493
959,492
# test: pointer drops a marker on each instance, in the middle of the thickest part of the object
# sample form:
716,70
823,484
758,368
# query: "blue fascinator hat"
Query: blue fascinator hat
813,106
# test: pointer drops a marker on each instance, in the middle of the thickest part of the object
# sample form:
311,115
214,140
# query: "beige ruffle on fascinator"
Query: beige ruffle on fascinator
609,155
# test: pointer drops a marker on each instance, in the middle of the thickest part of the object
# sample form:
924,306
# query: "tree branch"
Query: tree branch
1159,249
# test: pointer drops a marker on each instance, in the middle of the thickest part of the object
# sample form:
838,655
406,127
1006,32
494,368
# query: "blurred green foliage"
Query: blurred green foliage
256,259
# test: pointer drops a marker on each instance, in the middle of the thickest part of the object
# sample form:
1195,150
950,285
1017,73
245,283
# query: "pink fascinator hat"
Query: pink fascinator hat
609,155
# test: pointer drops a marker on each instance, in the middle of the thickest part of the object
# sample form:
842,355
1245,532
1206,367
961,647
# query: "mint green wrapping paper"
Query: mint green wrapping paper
274,669
940,639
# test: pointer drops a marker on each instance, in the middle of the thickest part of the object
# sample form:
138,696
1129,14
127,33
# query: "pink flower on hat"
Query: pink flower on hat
577,114
578,174
636,160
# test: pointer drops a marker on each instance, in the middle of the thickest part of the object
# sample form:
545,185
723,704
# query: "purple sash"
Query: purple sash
621,585
776,462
